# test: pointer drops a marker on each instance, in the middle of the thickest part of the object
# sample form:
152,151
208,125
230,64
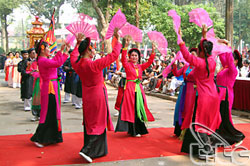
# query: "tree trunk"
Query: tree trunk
137,19
229,20
4,33
104,23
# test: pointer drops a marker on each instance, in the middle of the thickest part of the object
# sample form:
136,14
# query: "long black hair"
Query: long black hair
39,46
238,57
207,47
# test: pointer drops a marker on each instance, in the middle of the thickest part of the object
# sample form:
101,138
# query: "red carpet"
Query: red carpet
19,150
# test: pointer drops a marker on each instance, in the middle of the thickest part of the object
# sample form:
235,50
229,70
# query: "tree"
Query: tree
6,8
45,8
241,22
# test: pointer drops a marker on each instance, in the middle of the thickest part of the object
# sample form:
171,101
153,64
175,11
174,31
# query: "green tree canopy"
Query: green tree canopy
6,8
241,21
45,8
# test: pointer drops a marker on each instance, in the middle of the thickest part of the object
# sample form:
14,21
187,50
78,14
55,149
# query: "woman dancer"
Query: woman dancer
49,130
134,111
186,98
206,112
95,101
226,77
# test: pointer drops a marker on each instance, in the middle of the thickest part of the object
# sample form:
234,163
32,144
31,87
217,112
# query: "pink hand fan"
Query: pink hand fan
132,32
210,33
83,27
200,16
180,57
70,39
96,34
160,41
167,70
176,20
118,20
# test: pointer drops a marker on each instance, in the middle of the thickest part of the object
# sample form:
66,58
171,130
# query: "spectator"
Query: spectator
2,62
176,82
245,69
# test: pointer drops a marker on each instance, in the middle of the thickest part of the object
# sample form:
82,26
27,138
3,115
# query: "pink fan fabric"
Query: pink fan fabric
70,39
176,21
218,48
167,70
83,27
180,57
132,31
200,16
118,21
160,40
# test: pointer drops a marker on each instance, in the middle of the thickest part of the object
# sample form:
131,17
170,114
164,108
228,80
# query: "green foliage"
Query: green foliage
241,21
45,8
1,51
84,6
7,6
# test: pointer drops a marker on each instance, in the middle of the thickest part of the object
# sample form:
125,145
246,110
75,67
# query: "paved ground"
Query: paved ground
13,120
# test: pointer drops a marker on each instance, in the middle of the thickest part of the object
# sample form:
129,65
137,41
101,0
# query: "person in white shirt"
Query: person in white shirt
245,69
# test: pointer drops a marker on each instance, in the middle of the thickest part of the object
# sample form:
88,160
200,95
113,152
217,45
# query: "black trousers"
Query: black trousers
47,133
95,145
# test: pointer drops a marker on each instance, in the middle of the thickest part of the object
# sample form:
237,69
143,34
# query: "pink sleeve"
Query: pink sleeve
230,62
178,73
124,59
193,60
73,58
149,62
100,64
56,61
35,74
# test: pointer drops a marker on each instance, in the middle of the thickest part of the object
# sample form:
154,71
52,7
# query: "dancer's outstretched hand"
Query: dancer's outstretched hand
67,48
179,39
204,31
223,41
116,34
153,47
180,32
126,42
79,37
62,47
